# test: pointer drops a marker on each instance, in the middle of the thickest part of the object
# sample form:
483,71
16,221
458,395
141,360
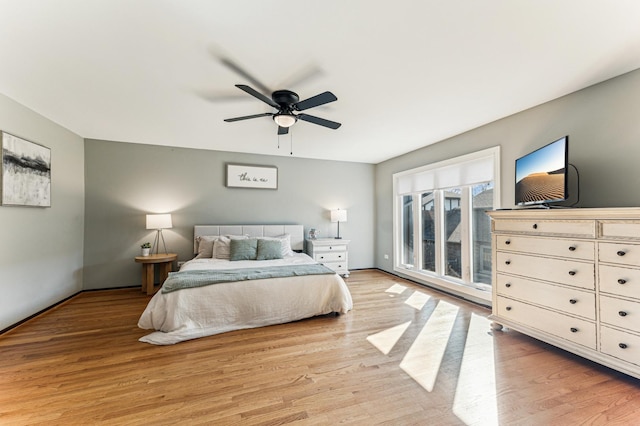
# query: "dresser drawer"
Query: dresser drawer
330,248
626,254
585,228
570,272
566,299
626,229
573,249
567,327
619,281
620,313
339,267
619,344
331,256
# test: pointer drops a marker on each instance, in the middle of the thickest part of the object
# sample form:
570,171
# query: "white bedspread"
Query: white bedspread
218,308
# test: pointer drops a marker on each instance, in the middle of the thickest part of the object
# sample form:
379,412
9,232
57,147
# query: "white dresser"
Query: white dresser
571,278
331,252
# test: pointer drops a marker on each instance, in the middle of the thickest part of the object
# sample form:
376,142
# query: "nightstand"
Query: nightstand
331,252
165,260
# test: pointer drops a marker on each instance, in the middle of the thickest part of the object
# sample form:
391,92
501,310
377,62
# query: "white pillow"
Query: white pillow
222,246
205,246
285,242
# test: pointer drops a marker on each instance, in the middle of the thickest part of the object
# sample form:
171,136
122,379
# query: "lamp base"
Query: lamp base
337,238
156,243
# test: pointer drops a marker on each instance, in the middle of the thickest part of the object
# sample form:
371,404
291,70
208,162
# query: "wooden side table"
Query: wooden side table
165,260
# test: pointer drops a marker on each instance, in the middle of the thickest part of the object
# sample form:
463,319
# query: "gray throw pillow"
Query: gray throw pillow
269,249
243,249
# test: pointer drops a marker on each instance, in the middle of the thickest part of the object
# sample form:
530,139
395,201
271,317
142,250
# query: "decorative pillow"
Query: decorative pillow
269,249
245,249
205,246
285,241
221,246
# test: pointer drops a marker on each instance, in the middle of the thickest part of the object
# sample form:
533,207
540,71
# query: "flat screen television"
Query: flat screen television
541,175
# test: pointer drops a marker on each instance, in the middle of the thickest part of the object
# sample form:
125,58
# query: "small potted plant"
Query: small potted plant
146,248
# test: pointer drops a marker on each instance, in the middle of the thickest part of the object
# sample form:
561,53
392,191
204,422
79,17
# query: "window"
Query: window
481,201
407,230
452,232
428,232
442,206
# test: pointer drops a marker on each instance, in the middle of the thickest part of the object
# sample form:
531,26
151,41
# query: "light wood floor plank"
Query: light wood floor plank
81,363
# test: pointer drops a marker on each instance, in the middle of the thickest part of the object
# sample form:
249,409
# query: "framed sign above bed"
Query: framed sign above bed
248,176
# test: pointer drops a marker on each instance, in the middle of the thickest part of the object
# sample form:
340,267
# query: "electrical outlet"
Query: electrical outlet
180,263
386,257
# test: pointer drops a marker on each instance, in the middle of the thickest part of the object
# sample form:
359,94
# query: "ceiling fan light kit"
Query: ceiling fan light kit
285,120
287,102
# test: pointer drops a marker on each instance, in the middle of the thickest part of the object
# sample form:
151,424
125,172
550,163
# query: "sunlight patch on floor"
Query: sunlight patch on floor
424,357
417,300
475,401
396,289
387,339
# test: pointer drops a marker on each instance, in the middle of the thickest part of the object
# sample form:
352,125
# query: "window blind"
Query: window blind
467,170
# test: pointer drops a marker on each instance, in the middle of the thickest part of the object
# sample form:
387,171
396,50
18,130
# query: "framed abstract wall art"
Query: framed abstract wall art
26,172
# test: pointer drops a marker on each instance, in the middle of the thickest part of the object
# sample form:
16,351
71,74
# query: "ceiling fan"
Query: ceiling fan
288,104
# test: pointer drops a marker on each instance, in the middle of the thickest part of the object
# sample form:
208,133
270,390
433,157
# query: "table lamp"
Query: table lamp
338,216
159,222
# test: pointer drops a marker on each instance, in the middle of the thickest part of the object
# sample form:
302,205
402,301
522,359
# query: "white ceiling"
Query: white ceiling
406,73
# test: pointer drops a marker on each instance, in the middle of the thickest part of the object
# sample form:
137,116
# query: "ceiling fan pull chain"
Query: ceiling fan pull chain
291,143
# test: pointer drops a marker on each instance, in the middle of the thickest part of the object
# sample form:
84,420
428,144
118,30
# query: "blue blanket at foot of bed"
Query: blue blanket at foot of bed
199,278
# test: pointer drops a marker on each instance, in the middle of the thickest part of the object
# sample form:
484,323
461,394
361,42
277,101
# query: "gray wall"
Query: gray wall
603,125
126,181
41,248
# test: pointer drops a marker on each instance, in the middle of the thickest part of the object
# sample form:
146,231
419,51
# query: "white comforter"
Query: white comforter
213,309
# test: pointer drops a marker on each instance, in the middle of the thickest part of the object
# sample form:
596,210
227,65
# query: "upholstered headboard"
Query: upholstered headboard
296,232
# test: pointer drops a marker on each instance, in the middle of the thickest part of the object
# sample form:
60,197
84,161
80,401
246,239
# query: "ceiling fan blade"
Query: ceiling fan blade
302,76
243,73
321,99
247,117
221,96
283,130
258,95
317,120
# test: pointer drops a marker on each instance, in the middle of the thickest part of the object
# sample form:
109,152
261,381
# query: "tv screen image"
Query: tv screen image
541,176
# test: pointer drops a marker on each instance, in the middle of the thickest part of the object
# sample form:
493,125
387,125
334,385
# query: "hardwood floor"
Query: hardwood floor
406,355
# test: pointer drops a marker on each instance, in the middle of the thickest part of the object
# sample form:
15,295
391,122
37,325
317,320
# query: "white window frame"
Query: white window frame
464,287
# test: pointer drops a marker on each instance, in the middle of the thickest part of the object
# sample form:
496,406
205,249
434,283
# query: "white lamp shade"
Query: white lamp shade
159,221
338,215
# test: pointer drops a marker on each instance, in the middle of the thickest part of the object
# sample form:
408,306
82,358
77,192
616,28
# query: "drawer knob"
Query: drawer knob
621,253
535,226
622,345
574,330
622,313
507,242
507,285
572,248
339,256
507,262
572,273
508,308
573,301
321,257
622,281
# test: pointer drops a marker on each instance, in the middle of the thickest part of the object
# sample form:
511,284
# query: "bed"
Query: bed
282,287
